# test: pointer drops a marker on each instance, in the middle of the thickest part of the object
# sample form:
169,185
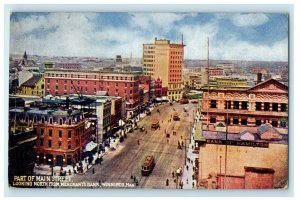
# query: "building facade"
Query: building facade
165,60
34,86
246,108
61,134
125,85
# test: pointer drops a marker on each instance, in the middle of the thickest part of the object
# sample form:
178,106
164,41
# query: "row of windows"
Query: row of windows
175,75
175,62
176,57
175,80
175,52
149,52
59,143
258,122
89,76
244,106
175,71
149,56
60,133
149,60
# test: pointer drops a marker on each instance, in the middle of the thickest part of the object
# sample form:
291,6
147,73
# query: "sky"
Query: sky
232,36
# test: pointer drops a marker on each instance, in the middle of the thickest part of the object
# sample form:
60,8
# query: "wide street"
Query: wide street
127,159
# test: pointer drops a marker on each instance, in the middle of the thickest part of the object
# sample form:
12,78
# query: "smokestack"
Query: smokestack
182,39
259,78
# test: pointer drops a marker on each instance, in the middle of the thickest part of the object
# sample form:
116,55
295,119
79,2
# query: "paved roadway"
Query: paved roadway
127,159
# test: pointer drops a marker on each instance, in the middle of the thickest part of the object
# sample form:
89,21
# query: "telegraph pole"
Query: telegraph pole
207,81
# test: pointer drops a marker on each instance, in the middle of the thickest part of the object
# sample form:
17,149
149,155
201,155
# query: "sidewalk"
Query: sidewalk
187,178
42,169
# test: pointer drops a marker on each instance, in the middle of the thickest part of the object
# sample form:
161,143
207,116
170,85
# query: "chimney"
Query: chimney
259,78
182,39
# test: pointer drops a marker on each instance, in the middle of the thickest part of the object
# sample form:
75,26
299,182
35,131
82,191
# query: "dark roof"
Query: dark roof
259,170
269,80
246,131
263,128
231,136
32,81
220,125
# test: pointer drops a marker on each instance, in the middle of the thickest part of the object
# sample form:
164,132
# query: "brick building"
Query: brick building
61,134
125,85
246,108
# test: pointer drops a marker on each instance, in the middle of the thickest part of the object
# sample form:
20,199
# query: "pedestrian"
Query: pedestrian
187,181
167,182
187,167
173,174
193,184
93,170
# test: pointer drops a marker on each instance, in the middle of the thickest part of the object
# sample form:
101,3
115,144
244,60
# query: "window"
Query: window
283,107
244,121
213,104
69,134
42,131
60,121
41,142
116,84
267,107
227,121
235,104
49,143
59,133
59,144
274,123
258,106
212,120
227,104
283,124
50,132
69,145
275,107
125,84
258,122
244,105
236,121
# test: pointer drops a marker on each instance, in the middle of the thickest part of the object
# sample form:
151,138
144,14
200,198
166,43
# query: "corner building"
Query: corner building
164,60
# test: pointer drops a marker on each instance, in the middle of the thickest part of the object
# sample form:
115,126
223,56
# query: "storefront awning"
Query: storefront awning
90,146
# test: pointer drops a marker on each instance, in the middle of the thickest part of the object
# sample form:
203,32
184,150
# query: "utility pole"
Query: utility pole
226,125
207,81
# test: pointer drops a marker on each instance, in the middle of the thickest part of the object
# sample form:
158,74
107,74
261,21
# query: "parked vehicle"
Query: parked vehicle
148,165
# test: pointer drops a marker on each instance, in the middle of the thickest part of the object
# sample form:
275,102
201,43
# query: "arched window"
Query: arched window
51,120
43,120
60,121
70,121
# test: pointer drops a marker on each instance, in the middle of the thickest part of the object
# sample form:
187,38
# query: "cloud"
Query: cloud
79,34
252,19
162,21
195,39
240,50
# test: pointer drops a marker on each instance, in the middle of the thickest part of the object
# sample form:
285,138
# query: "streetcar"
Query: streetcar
155,124
176,117
148,165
